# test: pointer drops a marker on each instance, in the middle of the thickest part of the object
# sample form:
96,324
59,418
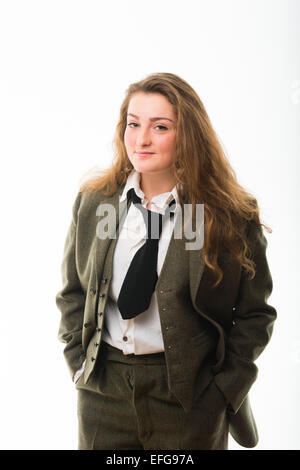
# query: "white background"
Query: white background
65,66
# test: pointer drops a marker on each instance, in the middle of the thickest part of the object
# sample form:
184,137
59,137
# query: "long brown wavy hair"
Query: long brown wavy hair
202,172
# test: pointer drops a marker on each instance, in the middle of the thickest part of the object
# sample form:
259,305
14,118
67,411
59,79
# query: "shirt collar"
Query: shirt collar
160,201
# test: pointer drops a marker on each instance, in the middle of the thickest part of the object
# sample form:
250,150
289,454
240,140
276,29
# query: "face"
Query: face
150,133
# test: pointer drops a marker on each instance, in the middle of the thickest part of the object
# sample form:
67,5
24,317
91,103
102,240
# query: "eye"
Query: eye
134,125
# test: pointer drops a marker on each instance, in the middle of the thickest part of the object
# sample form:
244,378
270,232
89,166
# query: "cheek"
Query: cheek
168,144
128,138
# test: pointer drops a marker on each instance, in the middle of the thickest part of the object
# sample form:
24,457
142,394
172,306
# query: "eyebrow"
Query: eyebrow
152,119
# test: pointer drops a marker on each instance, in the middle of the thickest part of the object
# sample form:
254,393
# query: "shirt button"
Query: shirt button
125,338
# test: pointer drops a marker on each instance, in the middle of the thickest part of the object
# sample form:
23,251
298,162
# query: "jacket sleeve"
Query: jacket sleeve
70,300
252,327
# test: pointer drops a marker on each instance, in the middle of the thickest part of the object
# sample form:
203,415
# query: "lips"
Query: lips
144,154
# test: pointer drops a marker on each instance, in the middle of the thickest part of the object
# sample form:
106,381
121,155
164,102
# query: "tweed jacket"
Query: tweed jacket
231,323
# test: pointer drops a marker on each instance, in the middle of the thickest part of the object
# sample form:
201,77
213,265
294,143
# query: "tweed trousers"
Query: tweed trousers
127,405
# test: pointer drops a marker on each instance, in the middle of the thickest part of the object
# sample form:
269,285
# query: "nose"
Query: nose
143,137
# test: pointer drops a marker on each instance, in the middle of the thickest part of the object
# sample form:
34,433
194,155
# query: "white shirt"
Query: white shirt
142,334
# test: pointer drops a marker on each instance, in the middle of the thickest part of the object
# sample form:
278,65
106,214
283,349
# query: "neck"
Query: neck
154,184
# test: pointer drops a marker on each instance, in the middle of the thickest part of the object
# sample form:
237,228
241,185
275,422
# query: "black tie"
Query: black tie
140,280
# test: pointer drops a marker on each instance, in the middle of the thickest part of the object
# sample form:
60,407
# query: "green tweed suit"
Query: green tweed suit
208,333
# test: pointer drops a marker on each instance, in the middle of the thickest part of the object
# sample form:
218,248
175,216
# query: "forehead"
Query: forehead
150,105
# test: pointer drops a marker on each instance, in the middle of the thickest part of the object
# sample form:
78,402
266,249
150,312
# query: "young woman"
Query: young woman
161,335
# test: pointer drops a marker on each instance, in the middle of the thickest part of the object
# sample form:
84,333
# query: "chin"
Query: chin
146,169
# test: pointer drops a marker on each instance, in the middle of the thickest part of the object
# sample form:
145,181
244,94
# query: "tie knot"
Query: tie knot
153,220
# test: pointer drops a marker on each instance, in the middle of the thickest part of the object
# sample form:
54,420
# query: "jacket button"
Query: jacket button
86,325
125,338
102,295
100,314
93,359
104,281
96,345
92,291
98,329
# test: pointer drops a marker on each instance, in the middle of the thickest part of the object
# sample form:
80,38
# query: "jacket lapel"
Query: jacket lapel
102,245
174,264
196,268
